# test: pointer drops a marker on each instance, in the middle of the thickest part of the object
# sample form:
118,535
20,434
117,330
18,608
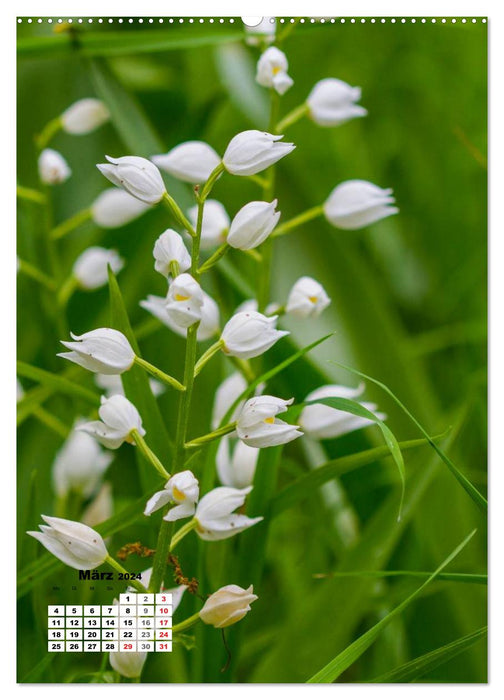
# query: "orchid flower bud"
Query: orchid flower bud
225,396
91,267
184,300
215,223
53,168
272,70
257,425
182,489
112,384
215,519
264,32
170,248
79,465
249,334
332,102
75,544
84,116
103,350
357,203
136,175
209,323
307,298
238,468
192,161
253,224
226,606
113,208
252,151
118,418
323,422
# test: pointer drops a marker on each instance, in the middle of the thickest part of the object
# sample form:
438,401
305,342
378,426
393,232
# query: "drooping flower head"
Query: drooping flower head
119,417
136,175
258,426
75,544
103,350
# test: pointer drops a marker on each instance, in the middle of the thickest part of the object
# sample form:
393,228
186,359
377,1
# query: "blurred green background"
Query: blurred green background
409,307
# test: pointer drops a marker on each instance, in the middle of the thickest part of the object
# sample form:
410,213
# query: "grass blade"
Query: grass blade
418,667
348,656
481,579
57,382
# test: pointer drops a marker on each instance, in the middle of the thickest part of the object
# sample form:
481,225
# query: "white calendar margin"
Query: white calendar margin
294,8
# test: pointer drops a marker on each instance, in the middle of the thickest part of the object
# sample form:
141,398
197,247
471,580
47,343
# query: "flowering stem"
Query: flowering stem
303,218
181,533
31,271
178,214
207,355
70,224
47,133
66,290
30,195
212,179
133,582
185,624
219,253
159,374
291,118
149,454
209,437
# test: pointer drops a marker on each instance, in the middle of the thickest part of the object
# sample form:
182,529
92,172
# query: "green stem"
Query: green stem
207,355
70,224
181,533
51,422
159,374
212,179
30,195
66,290
303,218
177,213
174,268
149,454
291,118
244,367
31,271
185,624
480,579
132,582
261,181
47,133
209,437
284,33
213,259
252,253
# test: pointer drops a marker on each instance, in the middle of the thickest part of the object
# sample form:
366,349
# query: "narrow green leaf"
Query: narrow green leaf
480,579
332,671
57,382
418,667
34,674
471,490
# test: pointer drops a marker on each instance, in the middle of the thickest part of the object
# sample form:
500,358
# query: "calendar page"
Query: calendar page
252,349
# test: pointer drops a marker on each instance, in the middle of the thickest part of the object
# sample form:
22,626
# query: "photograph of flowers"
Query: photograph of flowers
252,350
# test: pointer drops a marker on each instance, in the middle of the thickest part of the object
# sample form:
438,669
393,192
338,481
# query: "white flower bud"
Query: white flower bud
272,70
84,116
103,350
307,298
136,175
238,468
252,151
357,203
113,208
332,102
112,384
225,396
253,224
226,606
182,489
192,161
264,32
325,422
184,300
214,515
169,248
79,465
215,223
249,334
101,507
209,323
258,426
75,544
91,267
53,168
128,663
118,418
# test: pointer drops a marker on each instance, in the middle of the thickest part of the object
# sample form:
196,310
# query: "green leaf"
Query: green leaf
57,382
138,391
334,669
418,667
480,579
471,490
